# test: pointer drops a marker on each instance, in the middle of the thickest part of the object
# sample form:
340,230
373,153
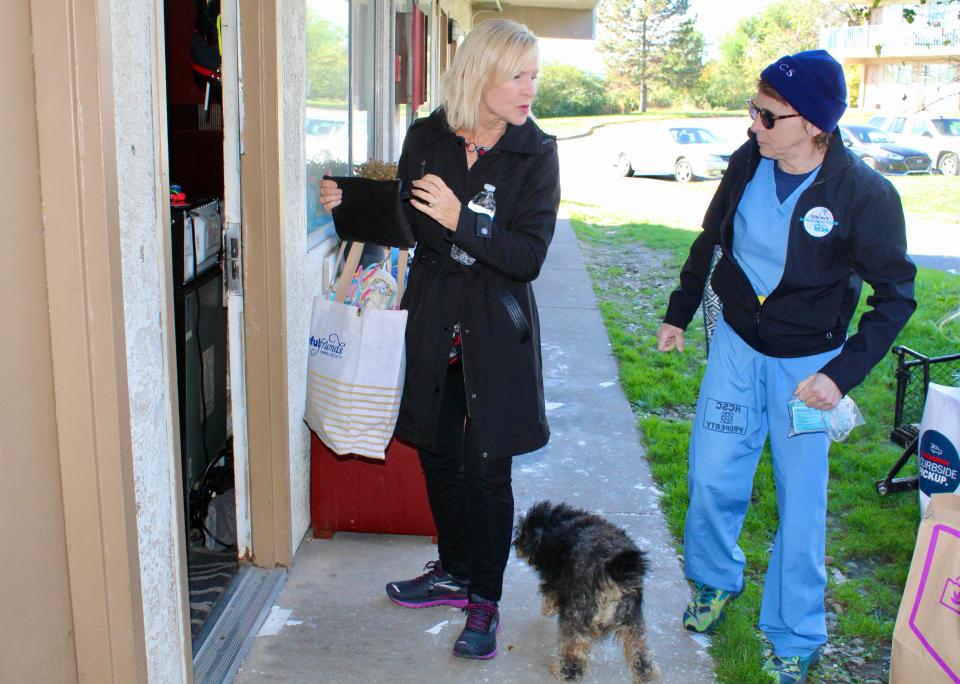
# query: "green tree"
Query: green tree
683,61
779,29
720,89
327,67
637,37
565,90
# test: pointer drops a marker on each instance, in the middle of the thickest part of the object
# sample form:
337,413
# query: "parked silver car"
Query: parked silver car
685,152
936,134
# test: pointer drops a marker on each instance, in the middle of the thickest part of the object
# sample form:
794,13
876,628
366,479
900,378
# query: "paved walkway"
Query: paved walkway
341,627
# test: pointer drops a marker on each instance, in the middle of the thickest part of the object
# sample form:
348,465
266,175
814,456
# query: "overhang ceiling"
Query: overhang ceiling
544,4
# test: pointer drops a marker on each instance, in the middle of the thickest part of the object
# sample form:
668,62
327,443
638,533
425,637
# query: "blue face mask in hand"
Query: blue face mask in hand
837,422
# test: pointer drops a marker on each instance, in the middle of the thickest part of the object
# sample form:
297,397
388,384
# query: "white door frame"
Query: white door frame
233,265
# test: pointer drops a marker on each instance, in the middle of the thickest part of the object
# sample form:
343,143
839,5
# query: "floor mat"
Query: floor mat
209,575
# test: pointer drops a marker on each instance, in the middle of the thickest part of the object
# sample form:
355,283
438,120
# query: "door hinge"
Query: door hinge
232,264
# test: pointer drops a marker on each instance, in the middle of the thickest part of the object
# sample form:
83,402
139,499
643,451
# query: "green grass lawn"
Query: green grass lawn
934,198
870,538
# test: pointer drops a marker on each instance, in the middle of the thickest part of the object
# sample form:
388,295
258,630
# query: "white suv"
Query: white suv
936,134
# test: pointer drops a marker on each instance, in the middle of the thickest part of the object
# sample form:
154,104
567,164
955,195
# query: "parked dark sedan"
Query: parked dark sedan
879,151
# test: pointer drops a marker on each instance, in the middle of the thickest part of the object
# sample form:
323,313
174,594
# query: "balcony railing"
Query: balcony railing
893,38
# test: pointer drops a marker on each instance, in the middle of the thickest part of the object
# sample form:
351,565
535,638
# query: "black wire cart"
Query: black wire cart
914,374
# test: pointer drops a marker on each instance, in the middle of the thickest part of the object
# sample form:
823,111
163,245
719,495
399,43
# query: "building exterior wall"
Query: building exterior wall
903,85
87,237
138,94
36,633
906,66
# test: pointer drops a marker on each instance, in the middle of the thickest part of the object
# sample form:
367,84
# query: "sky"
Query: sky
718,17
715,18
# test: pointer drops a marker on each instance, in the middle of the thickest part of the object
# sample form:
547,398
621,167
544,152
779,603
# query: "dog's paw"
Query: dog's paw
568,670
650,674
548,607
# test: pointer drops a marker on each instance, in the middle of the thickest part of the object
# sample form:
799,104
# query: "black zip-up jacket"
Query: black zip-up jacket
492,300
810,309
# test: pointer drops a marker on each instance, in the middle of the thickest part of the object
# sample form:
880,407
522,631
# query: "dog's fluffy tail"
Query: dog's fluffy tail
627,567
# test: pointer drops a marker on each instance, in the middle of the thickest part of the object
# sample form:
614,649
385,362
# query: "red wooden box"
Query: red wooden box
356,494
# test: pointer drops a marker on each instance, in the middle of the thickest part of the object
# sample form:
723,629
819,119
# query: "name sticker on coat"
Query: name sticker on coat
818,222
725,416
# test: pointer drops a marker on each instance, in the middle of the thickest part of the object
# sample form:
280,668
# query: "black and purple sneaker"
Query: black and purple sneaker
478,640
434,588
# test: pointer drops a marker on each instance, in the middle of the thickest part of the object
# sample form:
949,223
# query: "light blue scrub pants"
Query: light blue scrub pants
744,396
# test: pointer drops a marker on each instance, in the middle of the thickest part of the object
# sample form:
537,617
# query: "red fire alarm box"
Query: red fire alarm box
356,494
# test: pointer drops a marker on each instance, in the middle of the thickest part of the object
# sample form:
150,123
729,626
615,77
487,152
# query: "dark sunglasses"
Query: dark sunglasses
767,118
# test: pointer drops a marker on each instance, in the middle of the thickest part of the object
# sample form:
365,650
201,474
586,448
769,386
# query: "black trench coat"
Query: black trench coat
492,299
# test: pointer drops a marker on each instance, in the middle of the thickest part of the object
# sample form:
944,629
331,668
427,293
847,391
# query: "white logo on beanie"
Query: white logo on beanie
787,70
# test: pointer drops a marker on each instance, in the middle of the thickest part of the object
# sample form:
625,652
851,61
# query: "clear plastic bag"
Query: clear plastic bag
837,422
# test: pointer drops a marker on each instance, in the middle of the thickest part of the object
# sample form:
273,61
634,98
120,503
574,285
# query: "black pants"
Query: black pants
471,497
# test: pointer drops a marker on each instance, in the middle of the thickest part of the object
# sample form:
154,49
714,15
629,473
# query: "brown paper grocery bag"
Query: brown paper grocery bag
926,639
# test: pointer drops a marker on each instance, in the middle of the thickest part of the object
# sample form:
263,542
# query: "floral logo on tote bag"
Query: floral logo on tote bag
928,626
950,598
328,346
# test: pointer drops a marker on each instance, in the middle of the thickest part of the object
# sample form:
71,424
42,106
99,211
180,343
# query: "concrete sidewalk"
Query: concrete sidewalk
342,628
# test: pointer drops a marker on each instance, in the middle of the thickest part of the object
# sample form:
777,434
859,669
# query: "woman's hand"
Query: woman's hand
819,392
669,337
432,197
330,195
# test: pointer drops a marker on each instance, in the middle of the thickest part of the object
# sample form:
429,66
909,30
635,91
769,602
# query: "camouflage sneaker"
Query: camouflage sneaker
790,669
436,587
706,607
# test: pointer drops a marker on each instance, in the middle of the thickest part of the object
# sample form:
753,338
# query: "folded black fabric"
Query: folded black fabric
372,211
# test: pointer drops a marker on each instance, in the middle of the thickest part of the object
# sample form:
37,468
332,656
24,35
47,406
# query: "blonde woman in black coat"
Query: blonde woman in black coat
473,396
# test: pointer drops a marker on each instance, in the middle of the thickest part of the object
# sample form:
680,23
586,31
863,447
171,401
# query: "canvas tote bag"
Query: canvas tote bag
355,368
926,638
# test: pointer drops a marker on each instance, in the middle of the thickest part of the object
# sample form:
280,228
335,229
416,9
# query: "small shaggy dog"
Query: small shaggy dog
591,577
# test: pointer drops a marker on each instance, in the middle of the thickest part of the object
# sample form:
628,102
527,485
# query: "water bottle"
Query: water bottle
485,207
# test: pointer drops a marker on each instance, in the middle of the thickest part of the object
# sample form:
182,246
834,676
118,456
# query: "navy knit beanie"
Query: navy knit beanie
811,82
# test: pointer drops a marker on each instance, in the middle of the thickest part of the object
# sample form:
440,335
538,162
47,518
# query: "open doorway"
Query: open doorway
195,147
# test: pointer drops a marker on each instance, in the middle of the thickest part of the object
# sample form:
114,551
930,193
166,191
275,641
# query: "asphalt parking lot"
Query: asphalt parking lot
588,176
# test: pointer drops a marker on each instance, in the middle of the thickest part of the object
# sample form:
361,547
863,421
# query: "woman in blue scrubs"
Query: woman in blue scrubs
802,223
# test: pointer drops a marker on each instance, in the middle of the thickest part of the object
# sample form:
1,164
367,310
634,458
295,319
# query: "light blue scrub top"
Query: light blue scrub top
761,228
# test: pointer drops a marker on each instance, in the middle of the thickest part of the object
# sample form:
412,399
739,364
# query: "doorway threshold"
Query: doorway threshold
219,650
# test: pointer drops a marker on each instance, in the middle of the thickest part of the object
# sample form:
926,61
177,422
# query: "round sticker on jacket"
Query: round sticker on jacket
818,222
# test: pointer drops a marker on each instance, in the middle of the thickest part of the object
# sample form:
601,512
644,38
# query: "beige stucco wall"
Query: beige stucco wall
303,268
137,110
36,642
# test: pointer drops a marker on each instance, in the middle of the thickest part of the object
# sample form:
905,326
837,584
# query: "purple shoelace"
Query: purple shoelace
433,570
480,615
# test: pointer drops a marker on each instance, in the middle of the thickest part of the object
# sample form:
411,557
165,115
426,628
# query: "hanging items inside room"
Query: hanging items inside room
206,47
